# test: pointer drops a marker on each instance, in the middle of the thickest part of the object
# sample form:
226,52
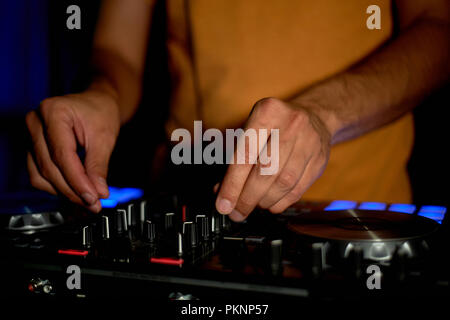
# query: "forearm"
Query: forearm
384,86
119,50
113,76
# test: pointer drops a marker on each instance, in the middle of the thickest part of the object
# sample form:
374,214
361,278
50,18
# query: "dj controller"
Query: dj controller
168,247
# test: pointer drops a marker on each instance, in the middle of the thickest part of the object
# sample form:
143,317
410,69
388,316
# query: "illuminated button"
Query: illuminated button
402,207
435,213
372,206
108,203
121,195
167,261
73,252
341,205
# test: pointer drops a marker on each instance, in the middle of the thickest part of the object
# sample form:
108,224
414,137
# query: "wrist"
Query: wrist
104,102
101,86
327,116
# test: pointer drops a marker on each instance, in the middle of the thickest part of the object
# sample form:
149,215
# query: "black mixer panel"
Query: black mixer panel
171,248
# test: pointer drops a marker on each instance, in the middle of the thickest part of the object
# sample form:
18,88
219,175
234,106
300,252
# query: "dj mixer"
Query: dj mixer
170,247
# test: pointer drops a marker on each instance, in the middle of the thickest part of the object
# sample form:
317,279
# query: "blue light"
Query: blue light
372,206
435,213
121,195
341,205
402,207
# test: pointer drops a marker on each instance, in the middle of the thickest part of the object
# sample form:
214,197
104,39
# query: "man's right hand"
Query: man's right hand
61,124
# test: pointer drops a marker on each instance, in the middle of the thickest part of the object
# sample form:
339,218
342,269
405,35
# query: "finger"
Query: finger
98,153
216,187
289,175
262,117
47,169
313,171
258,183
235,178
36,179
63,146
41,183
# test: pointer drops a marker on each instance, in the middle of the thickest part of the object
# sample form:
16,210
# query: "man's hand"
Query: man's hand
57,128
304,146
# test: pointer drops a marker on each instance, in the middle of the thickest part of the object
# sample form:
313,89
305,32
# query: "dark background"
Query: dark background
40,57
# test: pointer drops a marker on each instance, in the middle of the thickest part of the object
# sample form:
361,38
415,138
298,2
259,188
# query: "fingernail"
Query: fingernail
102,181
89,198
224,206
96,207
236,216
104,187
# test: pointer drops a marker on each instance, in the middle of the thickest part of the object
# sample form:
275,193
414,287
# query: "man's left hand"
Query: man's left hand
304,147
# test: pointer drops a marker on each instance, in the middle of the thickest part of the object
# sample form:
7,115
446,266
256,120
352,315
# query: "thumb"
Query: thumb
96,164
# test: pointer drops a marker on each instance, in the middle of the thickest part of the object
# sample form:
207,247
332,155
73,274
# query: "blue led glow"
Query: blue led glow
121,195
402,207
372,206
108,203
435,213
341,205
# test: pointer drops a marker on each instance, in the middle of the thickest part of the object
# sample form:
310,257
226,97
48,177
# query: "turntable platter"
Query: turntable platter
362,225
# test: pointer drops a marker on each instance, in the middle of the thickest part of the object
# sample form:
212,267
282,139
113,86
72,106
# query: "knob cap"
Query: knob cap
168,221
132,215
149,231
120,221
143,211
190,234
216,226
203,226
275,256
86,234
179,244
105,227
224,221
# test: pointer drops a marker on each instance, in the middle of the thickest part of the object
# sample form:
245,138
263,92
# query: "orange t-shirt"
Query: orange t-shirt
224,55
